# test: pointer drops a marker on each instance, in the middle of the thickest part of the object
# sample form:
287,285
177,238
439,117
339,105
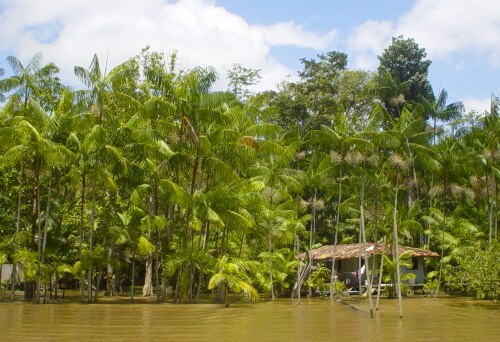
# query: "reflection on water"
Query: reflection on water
425,319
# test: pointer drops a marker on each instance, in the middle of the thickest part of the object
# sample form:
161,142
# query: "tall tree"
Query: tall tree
406,61
240,78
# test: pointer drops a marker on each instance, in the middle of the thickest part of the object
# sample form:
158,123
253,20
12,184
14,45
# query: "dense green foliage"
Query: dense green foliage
148,174
403,70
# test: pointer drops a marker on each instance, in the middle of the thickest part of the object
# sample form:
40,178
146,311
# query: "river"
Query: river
425,319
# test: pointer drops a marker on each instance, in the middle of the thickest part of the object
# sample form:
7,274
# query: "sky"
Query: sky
461,37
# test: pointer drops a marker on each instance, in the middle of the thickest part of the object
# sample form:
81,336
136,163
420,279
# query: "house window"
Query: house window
414,266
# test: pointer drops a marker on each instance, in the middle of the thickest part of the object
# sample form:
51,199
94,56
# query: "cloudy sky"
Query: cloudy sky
462,37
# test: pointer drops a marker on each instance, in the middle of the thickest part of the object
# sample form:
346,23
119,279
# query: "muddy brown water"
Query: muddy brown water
425,319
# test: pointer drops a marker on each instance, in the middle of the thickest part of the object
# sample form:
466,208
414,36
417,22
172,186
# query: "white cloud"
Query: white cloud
68,33
289,33
441,27
475,104
369,40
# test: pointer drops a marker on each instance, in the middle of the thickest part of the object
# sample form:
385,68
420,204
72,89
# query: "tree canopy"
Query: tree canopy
149,177
404,61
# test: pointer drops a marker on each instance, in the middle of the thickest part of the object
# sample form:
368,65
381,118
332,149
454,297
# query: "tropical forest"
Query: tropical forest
150,180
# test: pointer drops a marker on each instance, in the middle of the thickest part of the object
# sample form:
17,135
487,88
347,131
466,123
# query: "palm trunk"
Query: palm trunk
98,285
299,266
147,289
337,221
312,231
133,279
177,284
226,290
18,226
396,249
380,276
47,216
363,234
442,235
39,232
158,252
110,291
192,274
496,208
361,253
157,279
490,209
56,286
80,233
203,247
413,169
270,248
44,243
91,241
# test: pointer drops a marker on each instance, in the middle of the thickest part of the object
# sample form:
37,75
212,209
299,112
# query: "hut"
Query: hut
350,262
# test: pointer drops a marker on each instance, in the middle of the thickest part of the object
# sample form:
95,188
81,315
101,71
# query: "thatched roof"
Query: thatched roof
354,250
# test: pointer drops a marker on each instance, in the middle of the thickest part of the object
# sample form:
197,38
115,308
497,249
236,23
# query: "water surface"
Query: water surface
425,319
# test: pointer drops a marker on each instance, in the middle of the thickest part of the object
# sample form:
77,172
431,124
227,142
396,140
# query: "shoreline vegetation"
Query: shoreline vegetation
148,178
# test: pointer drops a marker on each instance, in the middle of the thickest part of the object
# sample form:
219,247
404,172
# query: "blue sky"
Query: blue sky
462,37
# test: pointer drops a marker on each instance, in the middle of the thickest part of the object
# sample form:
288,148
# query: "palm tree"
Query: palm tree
234,275
98,162
26,80
41,153
453,158
139,244
392,91
439,110
341,142
105,91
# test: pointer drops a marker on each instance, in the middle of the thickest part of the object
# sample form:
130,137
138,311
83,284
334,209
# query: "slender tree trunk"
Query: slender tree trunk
158,251
56,286
363,234
337,221
18,226
380,276
396,248
361,254
45,292
98,285
91,242
147,289
226,290
415,179
496,208
177,284
157,278
39,232
47,217
192,274
133,279
203,247
80,233
445,209
490,209
312,231
299,266
44,243
270,249
110,291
